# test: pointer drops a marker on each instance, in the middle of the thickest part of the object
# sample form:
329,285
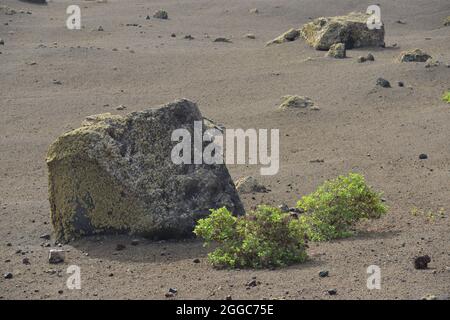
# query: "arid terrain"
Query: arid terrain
51,78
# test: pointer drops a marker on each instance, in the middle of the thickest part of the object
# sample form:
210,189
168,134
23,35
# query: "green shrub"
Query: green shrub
336,205
263,238
446,97
267,237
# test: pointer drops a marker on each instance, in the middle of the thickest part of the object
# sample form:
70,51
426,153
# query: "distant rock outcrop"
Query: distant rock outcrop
351,30
115,175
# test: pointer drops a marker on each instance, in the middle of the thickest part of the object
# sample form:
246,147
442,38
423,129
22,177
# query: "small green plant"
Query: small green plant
268,237
446,97
263,238
429,216
336,205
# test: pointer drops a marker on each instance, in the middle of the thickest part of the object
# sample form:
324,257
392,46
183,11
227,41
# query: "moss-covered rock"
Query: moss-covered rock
249,185
415,55
115,175
337,51
447,21
350,30
293,102
290,35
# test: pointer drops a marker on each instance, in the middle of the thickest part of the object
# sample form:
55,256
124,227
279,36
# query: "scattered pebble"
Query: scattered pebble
56,256
196,260
323,274
222,39
120,247
423,156
8,275
135,242
45,236
252,283
332,292
383,83
161,14
421,262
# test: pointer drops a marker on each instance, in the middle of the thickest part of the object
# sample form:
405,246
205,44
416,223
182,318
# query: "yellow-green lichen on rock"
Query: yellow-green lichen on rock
350,30
414,55
337,51
447,21
290,35
294,101
115,175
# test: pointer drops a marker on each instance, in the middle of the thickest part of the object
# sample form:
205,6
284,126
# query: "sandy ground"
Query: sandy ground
377,132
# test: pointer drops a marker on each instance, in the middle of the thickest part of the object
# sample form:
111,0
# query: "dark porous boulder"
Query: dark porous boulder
115,175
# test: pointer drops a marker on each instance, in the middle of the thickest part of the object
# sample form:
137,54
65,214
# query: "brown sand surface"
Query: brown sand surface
359,127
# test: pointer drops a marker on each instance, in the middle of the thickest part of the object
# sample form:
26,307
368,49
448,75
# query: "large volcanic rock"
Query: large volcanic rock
350,30
115,175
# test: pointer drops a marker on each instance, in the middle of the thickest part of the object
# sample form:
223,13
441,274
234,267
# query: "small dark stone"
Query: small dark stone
147,18
26,261
383,83
173,290
120,247
8,275
323,273
296,210
45,236
134,242
222,39
423,156
332,292
161,14
173,35
362,59
422,262
283,207
56,256
60,291
252,283
228,297
196,260
401,84
370,57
